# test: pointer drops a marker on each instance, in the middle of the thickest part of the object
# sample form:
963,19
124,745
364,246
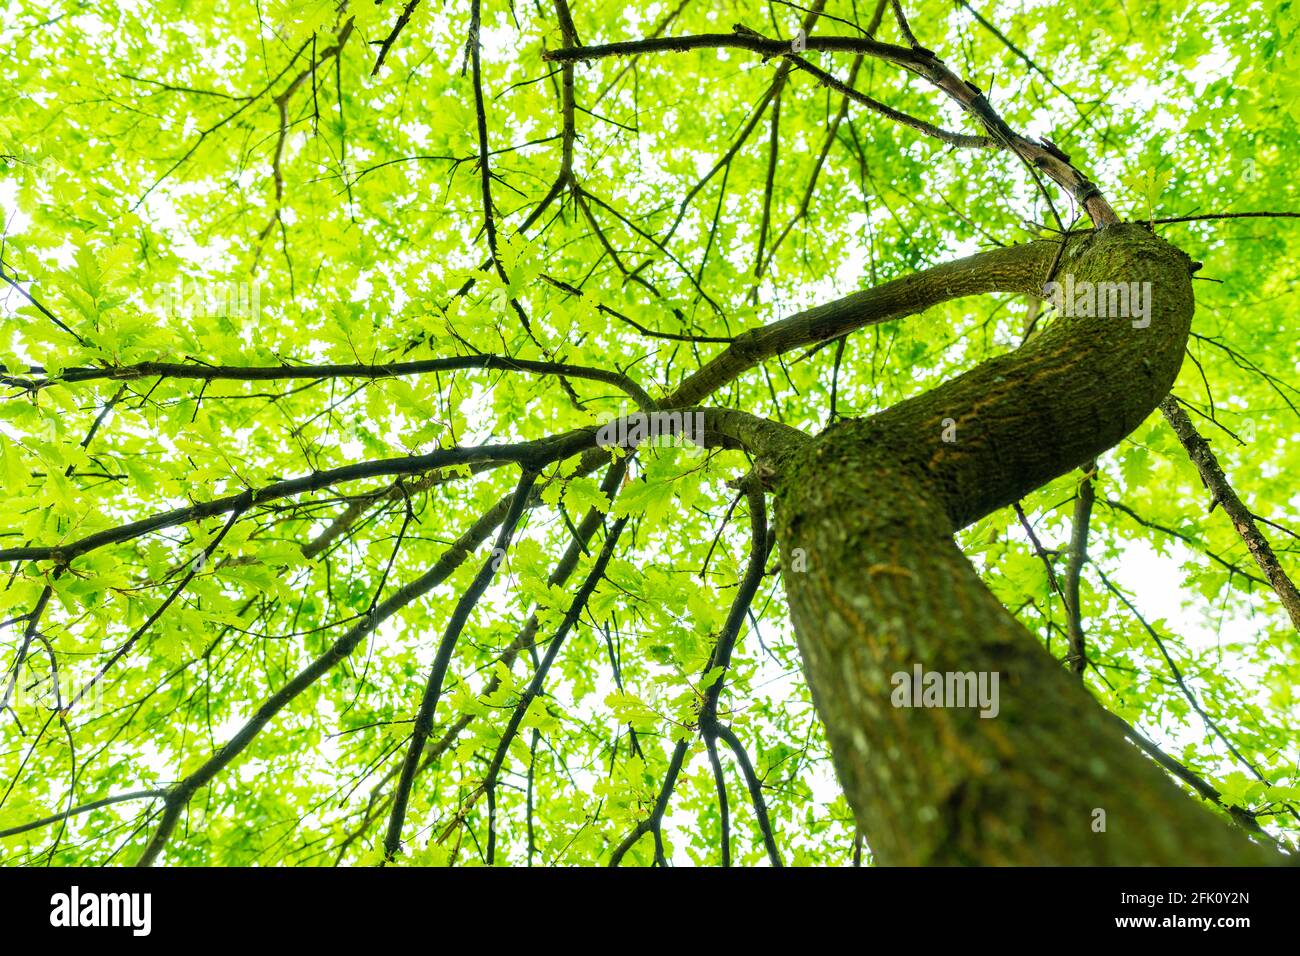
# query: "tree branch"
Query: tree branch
433,686
1037,155
1212,476
267,373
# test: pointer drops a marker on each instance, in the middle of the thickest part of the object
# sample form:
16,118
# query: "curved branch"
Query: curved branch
519,453
267,373
708,426
1042,156
961,140
1016,269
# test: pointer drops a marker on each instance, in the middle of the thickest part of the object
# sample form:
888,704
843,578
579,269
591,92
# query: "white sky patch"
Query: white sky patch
1216,65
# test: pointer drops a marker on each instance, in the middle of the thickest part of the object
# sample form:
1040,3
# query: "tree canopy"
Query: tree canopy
314,551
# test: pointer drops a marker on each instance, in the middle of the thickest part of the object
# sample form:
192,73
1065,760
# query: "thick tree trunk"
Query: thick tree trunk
866,514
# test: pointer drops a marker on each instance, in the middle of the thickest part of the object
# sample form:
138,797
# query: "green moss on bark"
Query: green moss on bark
866,514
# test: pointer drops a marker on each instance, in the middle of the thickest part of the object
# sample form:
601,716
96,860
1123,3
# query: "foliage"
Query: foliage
156,154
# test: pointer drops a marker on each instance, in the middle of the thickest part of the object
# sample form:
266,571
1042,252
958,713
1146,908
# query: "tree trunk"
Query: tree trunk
876,584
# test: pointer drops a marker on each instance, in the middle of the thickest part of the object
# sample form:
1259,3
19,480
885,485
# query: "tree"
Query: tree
520,435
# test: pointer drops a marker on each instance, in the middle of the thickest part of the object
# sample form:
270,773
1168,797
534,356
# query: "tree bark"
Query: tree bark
876,585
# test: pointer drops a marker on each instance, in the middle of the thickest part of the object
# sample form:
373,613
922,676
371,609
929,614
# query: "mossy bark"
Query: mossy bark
876,584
